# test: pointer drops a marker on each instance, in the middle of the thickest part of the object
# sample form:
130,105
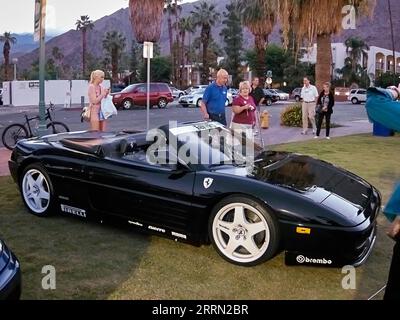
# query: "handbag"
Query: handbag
107,107
318,108
85,114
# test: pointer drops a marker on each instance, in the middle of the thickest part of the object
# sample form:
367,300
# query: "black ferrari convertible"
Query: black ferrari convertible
200,183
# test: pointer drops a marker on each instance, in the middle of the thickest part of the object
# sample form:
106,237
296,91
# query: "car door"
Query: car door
362,95
142,194
139,95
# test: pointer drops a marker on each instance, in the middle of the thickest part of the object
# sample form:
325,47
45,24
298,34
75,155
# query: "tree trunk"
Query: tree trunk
171,46
114,64
83,53
323,68
6,53
178,59
6,64
183,34
260,44
205,41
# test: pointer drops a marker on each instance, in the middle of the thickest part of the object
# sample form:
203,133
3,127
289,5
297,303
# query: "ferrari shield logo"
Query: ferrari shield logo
207,182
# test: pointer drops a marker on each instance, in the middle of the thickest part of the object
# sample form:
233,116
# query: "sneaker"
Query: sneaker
328,138
313,131
316,137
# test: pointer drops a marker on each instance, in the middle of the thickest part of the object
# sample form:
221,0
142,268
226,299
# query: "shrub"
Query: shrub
291,116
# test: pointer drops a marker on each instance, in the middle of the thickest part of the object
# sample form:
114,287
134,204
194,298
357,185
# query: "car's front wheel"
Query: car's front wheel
354,101
127,104
268,101
297,98
243,231
37,190
198,103
162,103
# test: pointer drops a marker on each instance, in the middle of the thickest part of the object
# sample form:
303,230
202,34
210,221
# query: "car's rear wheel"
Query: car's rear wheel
297,98
162,103
354,100
243,231
268,101
198,103
37,190
127,104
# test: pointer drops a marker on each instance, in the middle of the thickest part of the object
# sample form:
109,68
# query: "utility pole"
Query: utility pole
40,22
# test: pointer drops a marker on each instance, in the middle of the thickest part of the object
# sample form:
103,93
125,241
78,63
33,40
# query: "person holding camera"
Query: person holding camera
324,109
244,110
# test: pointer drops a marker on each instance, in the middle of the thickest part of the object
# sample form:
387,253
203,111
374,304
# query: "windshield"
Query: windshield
211,144
129,88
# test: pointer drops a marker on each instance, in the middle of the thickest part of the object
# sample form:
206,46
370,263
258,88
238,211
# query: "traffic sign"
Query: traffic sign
39,19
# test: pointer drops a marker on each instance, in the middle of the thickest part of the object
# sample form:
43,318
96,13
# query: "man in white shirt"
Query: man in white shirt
309,95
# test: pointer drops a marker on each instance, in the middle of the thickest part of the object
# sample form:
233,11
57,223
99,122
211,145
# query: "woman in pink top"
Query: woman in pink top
96,93
244,108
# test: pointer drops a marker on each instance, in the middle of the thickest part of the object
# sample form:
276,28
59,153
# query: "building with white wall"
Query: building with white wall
59,92
377,61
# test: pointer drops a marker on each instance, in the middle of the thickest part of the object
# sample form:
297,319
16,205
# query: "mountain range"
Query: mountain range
375,31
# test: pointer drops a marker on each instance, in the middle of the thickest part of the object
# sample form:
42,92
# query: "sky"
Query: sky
16,16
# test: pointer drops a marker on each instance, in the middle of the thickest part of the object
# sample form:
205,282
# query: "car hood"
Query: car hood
319,181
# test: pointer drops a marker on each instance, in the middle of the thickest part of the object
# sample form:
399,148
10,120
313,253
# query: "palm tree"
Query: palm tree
84,24
146,19
169,10
8,40
318,19
259,17
205,17
185,25
355,48
58,58
114,43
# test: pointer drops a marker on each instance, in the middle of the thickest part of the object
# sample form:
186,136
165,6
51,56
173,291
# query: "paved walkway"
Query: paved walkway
271,136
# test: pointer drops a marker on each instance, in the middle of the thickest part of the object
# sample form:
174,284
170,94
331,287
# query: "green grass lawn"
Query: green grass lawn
96,261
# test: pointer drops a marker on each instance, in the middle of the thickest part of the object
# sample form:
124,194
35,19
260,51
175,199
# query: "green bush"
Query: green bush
291,116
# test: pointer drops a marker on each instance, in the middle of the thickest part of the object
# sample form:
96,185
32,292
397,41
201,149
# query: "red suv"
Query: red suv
136,94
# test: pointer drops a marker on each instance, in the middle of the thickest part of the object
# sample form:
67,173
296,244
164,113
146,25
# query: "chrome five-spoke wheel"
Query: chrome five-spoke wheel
243,232
36,190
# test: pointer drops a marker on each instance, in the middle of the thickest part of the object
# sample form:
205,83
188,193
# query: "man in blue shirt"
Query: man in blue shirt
213,104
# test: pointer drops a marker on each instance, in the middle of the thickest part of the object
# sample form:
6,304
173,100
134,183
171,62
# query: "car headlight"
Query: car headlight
1,247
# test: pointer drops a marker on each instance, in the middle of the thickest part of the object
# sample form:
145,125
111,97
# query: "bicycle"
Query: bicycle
17,131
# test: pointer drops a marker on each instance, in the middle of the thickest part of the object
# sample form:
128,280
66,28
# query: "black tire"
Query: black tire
12,134
256,215
37,190
184,105
57,127
198,103
162,103
354,101
297,98
127,104
268,101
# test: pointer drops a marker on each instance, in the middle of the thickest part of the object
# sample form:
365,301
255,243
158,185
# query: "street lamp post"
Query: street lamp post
15,61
